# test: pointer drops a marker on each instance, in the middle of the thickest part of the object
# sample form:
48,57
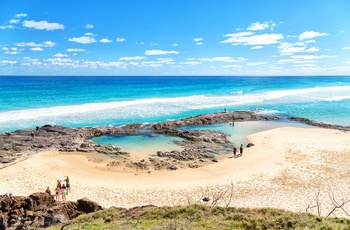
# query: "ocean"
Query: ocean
79,101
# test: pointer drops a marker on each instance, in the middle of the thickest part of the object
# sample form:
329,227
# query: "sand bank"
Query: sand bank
286,168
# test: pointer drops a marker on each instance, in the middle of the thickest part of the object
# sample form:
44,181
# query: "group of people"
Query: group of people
240,150
61,190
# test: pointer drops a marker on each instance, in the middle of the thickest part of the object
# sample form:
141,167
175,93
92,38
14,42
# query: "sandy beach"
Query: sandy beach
285,169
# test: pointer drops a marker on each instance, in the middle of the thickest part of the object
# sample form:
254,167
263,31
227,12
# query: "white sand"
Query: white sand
285,169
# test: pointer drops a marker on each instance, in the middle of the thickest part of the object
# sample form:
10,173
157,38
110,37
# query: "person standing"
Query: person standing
58,193
63,192
234,151
241,150
67,184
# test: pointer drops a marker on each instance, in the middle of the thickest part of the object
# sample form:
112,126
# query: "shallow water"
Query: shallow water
144,145
238,132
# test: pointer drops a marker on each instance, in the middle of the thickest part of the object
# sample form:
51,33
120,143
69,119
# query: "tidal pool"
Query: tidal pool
141,145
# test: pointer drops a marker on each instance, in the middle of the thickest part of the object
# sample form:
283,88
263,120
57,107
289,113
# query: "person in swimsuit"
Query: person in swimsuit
59,183
58,193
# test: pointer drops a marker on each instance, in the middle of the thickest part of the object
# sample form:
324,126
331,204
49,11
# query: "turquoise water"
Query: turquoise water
140,145
28,101
238,133
146,144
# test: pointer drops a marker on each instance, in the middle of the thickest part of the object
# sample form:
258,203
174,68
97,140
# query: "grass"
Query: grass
202,217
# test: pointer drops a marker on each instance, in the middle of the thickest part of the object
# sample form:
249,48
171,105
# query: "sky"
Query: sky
182,37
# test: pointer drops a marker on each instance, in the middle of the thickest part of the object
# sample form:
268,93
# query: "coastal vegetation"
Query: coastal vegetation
201,217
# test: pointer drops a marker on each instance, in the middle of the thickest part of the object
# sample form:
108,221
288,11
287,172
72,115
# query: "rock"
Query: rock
250,145
205,199
85,205
40,210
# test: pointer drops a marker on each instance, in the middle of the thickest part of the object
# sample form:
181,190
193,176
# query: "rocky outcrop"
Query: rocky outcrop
319,124
19,144
40,210
212,118
197,144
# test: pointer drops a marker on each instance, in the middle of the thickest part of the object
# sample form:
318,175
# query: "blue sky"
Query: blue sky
160,37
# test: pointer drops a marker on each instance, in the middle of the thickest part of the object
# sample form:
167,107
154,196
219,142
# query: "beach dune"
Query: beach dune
286,168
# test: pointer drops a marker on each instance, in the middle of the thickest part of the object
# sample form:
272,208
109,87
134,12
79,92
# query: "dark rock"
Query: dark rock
40,210
85,205
250,145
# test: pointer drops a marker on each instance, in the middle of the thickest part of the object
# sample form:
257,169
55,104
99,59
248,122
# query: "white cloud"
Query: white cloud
175,44
75,50
259,26
248,38
59,60
90,34
257,63
28,44
190,63
120,40
295,61
33,44
306,65
311,34
8,62
310,41
313,49
231,66
199,44
256,47
20,15
43,25
97,64
105,40
223,59
197,39
83,40
153,44
168,61
49,44
286,48
136,58
160,52
12,52
60,55
312,57
346,48
36,49
14,21
289,48
89,26
151,64
6,27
